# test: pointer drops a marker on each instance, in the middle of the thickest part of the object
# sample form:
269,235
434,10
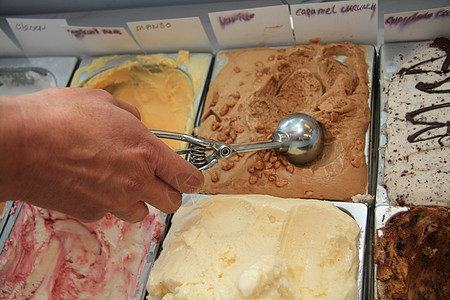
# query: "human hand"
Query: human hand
85,153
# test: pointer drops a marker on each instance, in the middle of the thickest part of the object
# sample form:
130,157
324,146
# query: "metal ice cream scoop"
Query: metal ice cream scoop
298,137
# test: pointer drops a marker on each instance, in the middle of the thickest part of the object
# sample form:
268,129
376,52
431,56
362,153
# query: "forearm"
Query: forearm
12,143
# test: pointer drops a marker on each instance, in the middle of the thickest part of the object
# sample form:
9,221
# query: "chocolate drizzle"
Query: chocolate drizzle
443,44
430,88
415,137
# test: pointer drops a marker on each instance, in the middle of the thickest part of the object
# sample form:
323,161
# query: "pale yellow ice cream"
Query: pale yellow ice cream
165,96
258,247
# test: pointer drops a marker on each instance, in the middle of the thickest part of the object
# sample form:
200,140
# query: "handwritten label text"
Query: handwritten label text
241,17
416,17
153,26
30,28
332,10
81,33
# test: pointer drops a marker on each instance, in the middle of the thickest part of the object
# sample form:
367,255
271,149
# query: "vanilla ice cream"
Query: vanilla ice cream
50,255
258,247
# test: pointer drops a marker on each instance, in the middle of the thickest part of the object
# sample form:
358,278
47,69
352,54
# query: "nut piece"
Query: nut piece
259,165
214,176
237,69
240,128
284,161
222,137
215,125
253,179
224,110
281,183
290,168
233,134
227,165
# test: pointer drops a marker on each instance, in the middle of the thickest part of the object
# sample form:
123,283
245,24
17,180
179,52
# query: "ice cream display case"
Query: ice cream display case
413,157
411,250
20,76
412,206
61,255
26,75
268,240
253,89
216,72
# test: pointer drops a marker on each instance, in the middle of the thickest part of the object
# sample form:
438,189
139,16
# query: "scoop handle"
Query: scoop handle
256,146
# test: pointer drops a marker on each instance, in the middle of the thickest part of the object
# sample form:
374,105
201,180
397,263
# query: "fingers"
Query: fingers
176,171
162,196
119,103
128,107
135,213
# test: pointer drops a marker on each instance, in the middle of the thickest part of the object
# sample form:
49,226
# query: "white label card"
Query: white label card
102,40
8,47
342,21
171,35
42,37
417,25
264,26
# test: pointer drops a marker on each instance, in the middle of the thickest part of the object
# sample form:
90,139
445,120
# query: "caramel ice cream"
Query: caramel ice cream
50,255
256,88
164,89
257,247
412,255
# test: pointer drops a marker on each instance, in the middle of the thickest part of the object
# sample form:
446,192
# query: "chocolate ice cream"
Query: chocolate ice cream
412,255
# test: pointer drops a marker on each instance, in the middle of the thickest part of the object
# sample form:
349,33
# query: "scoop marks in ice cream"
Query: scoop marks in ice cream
412,255
258,247
255,89
50,255
163,92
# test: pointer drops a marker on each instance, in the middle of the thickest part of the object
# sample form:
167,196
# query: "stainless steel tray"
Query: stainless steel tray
370,145
87,70
27,75
12,212
382,215
357,211
391,60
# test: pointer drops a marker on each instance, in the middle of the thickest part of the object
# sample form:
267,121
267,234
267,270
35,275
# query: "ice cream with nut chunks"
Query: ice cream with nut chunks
256,88
257,247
